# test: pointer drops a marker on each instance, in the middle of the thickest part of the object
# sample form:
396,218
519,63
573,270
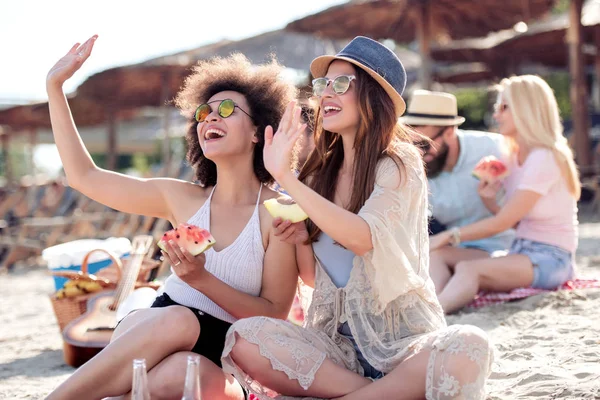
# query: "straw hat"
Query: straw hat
375,59
432,108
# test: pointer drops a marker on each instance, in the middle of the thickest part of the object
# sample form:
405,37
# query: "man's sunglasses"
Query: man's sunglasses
340,84
425,145
226,108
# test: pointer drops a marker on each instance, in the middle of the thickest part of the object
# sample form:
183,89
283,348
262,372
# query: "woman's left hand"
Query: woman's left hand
488,190
277,153
188,268
439,240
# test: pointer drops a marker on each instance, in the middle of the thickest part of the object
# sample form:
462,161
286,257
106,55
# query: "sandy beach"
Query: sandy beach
548,345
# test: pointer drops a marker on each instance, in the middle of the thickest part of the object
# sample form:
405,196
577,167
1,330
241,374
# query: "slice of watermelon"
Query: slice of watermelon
192,238
490,169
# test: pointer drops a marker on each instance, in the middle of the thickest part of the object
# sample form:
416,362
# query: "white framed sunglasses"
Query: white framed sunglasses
340,84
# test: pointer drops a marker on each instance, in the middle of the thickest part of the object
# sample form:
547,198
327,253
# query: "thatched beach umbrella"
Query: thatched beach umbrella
156,81
423,20
542,43
23,123
557,42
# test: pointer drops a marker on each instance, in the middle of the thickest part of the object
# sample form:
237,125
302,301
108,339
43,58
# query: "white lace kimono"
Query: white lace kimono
389,303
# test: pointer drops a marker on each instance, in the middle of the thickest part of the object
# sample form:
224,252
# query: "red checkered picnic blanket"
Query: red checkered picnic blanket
483,298
486,299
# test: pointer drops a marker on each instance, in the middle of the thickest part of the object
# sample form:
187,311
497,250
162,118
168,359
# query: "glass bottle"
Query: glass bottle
191,390
139,383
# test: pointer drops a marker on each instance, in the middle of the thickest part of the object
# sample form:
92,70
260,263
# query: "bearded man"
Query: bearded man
450,156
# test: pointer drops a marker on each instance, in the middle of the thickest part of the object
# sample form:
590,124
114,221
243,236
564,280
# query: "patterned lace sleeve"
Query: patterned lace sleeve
396,214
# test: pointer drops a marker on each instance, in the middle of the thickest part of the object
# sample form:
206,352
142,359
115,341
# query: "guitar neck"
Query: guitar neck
131,270
128,279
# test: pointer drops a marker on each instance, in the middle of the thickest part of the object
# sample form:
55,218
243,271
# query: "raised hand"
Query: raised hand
70,62
278,148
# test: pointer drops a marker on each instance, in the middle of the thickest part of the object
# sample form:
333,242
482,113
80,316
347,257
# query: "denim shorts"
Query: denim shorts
552,266
369,370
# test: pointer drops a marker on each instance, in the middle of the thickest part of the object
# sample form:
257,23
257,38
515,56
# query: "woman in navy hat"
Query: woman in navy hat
374,314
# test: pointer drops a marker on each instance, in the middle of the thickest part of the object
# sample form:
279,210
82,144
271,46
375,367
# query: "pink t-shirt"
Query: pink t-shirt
553,218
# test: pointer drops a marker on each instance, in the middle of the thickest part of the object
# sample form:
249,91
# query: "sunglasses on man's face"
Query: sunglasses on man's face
226,108
425,144
340,85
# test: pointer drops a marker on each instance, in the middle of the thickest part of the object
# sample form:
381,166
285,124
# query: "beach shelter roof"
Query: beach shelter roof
86,112
153,82
423,20
543,42
398,19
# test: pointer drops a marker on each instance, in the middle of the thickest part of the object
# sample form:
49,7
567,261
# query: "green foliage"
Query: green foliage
123,160
140,162
19,162
560,82
473,105
561,7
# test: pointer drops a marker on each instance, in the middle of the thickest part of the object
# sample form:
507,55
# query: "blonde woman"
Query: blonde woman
542,193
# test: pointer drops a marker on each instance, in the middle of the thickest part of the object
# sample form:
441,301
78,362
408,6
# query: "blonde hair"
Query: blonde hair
536,116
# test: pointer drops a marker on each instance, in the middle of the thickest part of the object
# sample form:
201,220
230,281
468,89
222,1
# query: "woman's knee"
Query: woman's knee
437,258
131,320
244,354
472,353
180,322
467,269
172,324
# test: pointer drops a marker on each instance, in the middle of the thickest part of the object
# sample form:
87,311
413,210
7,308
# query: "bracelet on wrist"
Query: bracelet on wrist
455,236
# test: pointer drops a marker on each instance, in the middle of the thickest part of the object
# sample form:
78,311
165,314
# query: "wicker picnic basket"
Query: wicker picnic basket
67,309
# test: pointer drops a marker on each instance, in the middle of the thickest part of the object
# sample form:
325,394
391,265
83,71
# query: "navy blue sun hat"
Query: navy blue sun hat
376,60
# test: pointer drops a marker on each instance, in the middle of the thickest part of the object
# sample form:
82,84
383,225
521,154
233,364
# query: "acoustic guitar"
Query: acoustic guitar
87,335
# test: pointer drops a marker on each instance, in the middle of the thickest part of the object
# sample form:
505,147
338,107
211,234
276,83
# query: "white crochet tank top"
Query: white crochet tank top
240,265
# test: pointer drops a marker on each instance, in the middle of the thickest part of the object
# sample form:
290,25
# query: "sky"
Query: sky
34,34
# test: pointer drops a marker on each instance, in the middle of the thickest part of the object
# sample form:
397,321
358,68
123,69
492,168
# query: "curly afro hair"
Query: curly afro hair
265,91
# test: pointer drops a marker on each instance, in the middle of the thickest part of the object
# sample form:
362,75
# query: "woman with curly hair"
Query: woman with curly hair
248,272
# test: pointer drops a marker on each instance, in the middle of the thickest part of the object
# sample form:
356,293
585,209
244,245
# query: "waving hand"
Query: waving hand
278,149
70,62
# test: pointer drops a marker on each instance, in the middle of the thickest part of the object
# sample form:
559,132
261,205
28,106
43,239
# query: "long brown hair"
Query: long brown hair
377,133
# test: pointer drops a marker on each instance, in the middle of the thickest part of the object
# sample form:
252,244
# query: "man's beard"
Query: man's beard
436,166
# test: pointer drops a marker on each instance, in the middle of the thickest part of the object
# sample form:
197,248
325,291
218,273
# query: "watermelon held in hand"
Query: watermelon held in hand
192,238
287,212
490,169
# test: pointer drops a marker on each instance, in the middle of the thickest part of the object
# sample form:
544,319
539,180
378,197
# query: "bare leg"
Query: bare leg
331,380
442,262
167,380
155,334
493,274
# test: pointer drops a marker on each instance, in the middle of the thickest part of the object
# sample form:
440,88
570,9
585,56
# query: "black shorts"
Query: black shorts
211,341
